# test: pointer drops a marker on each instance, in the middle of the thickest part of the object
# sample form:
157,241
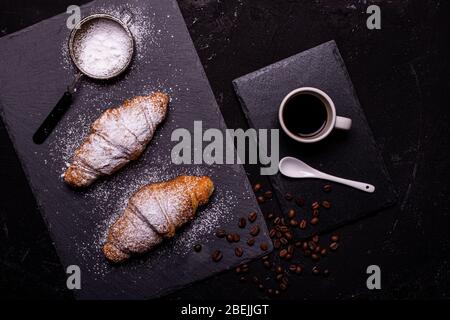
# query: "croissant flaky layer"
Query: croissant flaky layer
118,136
154,213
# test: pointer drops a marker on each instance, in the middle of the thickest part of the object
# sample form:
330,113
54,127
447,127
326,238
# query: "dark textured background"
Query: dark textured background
401,74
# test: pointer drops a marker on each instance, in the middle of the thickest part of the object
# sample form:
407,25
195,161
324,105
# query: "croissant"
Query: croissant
118,136
154,213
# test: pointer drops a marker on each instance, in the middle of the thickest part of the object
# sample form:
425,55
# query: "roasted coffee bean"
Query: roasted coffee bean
284,241
198,248
302,224
334,238
277,220
242,279
277,244
327,188
255,280
268,195
323,252
289,235
254,231
312,245
298,244
305,246
278,234
230,238
264,246
315,213
292,268
252,216
216,256
317,249
284,229
238,270
283,253
238,252
269,291
272,233
282,222
288,196
279,277
293,222
251,242
244,268
326,273
283,287
314,221
315,257
299,270
291,213
270,216
334,246
315,205
242,223
300,201
220,233
261,287
279,270
236,237
285,280
267,264
257,187
315,238
260,199
288,256
315,270
290,249
276,292
326,204
307,253
264,258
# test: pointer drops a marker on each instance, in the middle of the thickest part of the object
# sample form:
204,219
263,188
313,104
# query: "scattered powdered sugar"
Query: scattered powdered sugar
103,48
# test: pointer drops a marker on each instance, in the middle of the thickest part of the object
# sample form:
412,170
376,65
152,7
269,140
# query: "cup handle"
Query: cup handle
343,123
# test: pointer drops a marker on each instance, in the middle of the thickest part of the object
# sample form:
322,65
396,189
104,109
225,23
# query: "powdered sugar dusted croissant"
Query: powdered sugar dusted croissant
118,136
154,213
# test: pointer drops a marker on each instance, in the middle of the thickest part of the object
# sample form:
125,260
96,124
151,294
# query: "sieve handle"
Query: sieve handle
53,118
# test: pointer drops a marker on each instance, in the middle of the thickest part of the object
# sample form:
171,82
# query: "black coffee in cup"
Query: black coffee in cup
305,115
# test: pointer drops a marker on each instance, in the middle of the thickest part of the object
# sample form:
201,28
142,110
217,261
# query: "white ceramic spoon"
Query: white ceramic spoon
295,168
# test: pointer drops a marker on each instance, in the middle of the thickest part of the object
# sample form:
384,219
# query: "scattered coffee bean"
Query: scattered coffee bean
315,205
327,188
242,223
305,246
326,273
270,216
292,268
255,280
261,287
254,231
293,222
285,280
298,270
277,292
230,238
278,234
283,287
279,269
334,238
267,264
242,279
289,235
284,241
300,201
315,257
326,204
264,258
244,268
283,222
260,199
269,291
323,252
315,238
257,187
277,220
334,246
236,237
268,195
251,242
238,270
290,249
298,244
283,253
288,196
252,216
314,221
284,229
311,245
277,244
302,224
220,233
315,213
279,277
216,256
198,247
238,252
307,253
317,249
272,233
315,270
288,256
264,246
291,213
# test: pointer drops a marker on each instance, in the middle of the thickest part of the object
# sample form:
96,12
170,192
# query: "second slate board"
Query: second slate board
34,70
352,155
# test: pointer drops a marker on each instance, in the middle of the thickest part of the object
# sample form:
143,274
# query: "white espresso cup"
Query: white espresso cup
308,115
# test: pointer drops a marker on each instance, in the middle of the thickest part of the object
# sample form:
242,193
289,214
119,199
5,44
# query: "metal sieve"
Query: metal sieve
76,36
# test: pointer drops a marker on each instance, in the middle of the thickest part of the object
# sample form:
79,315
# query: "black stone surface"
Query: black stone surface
401,75
32,76
351,154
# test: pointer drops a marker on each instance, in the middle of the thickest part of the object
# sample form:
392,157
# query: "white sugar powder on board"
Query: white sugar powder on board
103,49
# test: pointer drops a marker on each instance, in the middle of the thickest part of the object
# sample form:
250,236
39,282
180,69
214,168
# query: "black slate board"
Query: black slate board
34,72
353,155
